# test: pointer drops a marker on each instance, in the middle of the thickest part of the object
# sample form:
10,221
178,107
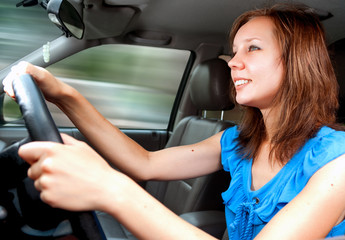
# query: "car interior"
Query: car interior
201,106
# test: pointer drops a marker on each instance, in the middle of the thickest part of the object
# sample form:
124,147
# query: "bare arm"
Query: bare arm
96,186
156,221
316,210
175,163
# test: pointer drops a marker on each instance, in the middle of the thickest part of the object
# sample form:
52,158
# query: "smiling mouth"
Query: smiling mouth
241,82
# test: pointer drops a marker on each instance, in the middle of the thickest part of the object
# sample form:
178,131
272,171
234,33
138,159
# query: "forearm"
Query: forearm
146,217
128,156
108,140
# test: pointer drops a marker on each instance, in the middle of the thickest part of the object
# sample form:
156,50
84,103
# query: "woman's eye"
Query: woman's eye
253,48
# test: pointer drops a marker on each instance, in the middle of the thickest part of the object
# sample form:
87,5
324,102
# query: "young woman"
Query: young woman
286,159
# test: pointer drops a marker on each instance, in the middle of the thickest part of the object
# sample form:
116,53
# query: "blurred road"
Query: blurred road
122,104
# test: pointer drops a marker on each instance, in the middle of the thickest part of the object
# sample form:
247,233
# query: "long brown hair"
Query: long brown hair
308,95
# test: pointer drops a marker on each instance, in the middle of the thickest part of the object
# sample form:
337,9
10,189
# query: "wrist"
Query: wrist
114,195
67,98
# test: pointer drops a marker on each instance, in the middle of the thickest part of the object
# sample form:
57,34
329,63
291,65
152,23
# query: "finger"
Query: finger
20,68
43,183
68,140
38,73
44,165
34,151
28,68
38,185
7,83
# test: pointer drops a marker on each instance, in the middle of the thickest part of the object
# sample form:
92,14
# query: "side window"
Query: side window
132,86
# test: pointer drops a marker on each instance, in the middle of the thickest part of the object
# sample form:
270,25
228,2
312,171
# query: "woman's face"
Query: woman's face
256,67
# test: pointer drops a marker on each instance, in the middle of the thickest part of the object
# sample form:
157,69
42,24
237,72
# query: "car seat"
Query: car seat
209,91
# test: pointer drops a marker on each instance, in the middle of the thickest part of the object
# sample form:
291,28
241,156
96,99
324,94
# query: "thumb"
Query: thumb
68,140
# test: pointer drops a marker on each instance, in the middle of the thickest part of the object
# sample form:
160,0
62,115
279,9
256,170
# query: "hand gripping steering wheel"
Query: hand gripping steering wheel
41,127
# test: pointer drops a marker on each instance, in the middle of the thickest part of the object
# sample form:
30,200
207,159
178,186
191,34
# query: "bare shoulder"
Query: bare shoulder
330,180
327,185
330,174
315,210
326,189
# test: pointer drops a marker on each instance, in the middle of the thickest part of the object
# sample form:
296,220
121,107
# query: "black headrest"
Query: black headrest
210,85
337,53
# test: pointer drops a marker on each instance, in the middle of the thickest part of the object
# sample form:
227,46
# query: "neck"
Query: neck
270,117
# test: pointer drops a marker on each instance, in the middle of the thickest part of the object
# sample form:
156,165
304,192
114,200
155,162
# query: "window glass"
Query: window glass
132,86
23,30
10,109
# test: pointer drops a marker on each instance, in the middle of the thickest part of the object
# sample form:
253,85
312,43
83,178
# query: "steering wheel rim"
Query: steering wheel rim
41,127
37,118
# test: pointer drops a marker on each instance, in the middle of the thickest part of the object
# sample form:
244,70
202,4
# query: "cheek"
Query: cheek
274,81
279,74
271,73
268,79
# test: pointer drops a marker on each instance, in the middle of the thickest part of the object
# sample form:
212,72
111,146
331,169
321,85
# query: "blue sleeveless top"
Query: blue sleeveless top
247,211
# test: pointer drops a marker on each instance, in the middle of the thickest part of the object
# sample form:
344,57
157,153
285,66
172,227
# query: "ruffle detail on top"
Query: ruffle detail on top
253,209
233,164
238,203
243,209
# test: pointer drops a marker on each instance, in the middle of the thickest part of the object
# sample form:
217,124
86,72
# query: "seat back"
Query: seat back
209,91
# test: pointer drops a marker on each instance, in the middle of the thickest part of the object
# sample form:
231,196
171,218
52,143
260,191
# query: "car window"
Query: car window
132,86
23,30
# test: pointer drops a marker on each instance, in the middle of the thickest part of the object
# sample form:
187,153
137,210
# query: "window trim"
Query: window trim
180,91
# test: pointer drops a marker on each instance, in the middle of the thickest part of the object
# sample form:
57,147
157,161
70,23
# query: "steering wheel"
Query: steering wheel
41,127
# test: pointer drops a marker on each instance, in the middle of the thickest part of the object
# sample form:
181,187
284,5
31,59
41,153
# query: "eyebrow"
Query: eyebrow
252,38
248,40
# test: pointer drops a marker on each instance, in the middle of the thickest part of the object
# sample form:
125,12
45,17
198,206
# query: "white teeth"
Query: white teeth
240,82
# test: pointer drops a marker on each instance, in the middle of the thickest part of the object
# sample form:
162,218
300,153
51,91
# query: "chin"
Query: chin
245,103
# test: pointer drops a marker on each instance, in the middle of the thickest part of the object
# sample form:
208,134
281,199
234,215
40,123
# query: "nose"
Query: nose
236,62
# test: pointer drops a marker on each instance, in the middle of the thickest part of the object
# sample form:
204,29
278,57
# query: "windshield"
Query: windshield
23,30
